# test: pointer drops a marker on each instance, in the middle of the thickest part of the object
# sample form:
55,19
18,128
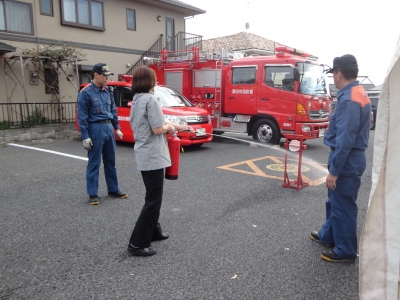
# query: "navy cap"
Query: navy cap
344,61
101,68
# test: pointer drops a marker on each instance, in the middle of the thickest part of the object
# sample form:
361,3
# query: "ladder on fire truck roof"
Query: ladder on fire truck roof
191,55
196,55
217,91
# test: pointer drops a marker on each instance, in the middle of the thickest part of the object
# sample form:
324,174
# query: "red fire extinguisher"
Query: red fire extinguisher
174,146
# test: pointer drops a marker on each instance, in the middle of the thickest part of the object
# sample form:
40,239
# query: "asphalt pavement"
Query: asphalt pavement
235,233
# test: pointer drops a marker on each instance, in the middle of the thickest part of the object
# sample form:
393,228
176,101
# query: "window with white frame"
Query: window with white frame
83,13
16,16
131,19
46,7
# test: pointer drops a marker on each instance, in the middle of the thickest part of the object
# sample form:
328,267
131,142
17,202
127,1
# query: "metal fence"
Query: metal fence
22,115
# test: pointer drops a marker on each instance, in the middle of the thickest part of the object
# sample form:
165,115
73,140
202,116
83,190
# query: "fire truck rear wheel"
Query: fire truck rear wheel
266,131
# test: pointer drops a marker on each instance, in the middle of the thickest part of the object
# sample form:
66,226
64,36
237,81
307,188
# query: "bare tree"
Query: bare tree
47,62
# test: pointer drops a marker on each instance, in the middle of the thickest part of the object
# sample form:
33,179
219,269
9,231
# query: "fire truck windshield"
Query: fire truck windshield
312,79
169,97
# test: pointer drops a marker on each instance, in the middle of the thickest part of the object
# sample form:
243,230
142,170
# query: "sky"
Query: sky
365,28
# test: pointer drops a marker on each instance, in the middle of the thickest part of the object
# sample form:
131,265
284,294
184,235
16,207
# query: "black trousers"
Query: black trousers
147,225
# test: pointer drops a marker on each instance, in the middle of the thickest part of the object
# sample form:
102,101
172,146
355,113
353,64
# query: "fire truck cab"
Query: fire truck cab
263,96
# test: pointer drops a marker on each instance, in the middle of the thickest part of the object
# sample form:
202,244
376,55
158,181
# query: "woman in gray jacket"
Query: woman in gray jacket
152,156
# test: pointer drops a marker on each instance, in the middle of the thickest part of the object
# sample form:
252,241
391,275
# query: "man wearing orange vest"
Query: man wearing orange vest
347,136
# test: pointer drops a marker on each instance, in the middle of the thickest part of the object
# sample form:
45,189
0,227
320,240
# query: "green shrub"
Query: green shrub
37,117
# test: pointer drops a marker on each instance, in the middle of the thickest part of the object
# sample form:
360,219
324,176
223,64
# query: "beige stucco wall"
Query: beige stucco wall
148,30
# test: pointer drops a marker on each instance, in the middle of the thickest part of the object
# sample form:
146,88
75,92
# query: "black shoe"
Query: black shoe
94,200
141,251
330,256
161,237
314,236
118,194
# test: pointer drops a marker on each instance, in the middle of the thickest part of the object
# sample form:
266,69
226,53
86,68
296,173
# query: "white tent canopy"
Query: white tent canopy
380,240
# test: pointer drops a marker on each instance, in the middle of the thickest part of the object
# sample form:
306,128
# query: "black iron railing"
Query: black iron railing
184,41
20,115
154,50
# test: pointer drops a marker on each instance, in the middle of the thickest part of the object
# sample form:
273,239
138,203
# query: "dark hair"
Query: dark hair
348,72
143,80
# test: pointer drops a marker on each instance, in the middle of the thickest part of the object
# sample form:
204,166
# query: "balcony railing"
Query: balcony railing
22,115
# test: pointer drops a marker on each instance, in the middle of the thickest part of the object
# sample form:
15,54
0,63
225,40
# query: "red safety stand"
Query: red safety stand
299,183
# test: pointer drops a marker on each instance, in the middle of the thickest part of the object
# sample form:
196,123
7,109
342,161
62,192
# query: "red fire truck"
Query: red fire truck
176,108
263,96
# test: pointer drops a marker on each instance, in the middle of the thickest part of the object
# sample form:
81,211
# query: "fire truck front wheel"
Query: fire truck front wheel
266,131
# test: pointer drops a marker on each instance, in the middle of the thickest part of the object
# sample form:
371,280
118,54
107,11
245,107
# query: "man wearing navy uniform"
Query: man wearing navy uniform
97,118
347,136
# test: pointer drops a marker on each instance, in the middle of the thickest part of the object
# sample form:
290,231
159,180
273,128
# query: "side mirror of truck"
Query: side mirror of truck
296,74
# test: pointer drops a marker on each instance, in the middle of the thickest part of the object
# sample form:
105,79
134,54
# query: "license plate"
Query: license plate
200,132
321,132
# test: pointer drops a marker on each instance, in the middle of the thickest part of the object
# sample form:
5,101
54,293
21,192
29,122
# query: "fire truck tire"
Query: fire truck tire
218,132
266,131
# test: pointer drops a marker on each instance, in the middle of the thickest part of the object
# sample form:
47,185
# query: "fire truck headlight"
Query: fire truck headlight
306,128
176,119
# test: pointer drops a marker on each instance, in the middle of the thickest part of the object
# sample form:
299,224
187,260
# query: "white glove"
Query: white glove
87,144
119,133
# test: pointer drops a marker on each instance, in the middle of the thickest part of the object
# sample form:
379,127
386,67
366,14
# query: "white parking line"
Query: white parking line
49,151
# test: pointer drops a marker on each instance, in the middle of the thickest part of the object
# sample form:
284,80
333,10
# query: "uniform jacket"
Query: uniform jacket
96,104
349,124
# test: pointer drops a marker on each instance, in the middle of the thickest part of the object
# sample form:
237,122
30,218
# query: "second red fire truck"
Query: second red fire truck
263,96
